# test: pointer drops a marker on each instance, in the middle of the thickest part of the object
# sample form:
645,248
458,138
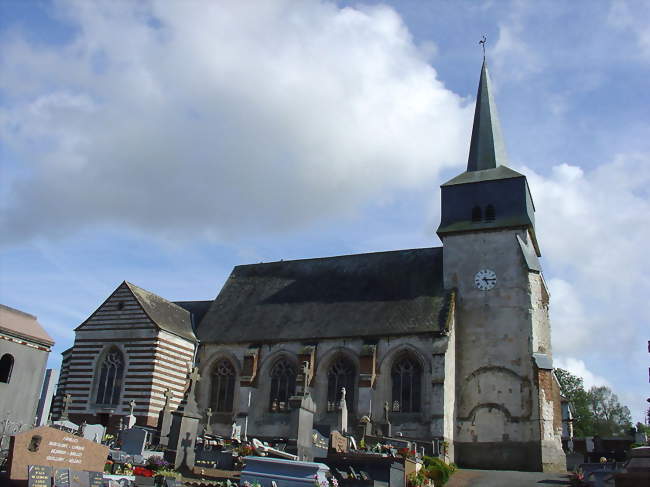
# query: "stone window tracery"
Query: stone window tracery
406,375
111,373
223,386
341,373
283,385
6,366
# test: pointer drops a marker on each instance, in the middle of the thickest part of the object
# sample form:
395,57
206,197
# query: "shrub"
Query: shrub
438,470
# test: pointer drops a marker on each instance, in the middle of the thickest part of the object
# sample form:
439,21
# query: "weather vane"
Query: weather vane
482,43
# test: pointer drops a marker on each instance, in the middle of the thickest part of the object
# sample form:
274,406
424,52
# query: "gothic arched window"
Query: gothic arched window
490,213
342,373
6,366
283,385
477,215
111,373
406,375
223,386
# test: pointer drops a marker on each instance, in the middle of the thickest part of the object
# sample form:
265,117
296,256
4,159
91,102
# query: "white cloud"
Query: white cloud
188,119
579,368
632,18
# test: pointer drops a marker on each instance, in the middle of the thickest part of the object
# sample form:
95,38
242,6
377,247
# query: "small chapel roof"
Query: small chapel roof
364,295
165,314
24,325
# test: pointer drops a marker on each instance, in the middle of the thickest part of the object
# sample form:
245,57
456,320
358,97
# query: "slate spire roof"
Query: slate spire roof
487,150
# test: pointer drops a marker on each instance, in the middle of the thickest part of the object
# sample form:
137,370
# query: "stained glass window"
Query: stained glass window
406,376
223,386
111,373
341,374
283,385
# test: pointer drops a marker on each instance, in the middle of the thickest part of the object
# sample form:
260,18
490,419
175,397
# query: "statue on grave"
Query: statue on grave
386,410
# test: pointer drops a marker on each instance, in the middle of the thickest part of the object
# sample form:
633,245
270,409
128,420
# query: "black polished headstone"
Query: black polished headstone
222,460
142,481
95,479
39,476
62,477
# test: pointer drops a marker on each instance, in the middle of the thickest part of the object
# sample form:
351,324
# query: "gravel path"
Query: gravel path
506,478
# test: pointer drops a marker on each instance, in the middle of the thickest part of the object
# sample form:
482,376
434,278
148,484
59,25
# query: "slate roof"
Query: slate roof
486,149
24,325
364,295
167,315
499,172
197,309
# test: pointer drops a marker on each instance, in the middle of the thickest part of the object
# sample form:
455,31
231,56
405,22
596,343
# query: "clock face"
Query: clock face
485,279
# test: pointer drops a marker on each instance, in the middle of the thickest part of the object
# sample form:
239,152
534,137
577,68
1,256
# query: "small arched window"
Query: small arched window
223,386
490,213
6,366
477,214
407,377
342,373
111,373
283,385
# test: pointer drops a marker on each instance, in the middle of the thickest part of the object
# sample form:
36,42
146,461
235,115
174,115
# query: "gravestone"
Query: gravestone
39,476
222,460
79,478
320,444
95,479
165,419
53,448
133,441
338,442
62,477
66,425
182,432
94,432
343,413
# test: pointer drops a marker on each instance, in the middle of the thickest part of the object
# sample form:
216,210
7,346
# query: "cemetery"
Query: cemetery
64,454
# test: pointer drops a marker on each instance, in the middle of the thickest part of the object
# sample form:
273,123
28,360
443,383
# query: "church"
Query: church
452,343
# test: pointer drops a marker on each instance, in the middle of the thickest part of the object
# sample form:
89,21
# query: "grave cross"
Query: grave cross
194,378
168,397
132,405
209,413
67,399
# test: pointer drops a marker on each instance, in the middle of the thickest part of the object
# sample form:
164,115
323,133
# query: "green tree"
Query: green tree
573,389
610,417
596,411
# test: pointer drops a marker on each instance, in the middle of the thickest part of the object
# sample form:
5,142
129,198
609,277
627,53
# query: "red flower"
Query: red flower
143,472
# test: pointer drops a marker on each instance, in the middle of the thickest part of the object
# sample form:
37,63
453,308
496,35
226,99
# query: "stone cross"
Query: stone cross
67,399
209,414
194,378
168,397
132,405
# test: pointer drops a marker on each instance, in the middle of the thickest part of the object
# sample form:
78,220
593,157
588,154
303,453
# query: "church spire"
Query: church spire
487,150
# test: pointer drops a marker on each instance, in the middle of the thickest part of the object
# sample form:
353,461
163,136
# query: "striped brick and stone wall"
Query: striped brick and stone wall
154,361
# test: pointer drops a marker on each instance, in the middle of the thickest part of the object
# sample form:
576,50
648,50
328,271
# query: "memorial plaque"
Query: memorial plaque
95,479
339,443
62,477
39,476
53,448
79,478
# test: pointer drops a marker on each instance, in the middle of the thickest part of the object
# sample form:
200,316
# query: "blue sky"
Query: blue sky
165,142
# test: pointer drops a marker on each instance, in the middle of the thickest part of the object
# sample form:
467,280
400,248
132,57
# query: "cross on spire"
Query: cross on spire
482,43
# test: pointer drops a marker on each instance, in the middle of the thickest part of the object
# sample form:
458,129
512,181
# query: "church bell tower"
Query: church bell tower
507,399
